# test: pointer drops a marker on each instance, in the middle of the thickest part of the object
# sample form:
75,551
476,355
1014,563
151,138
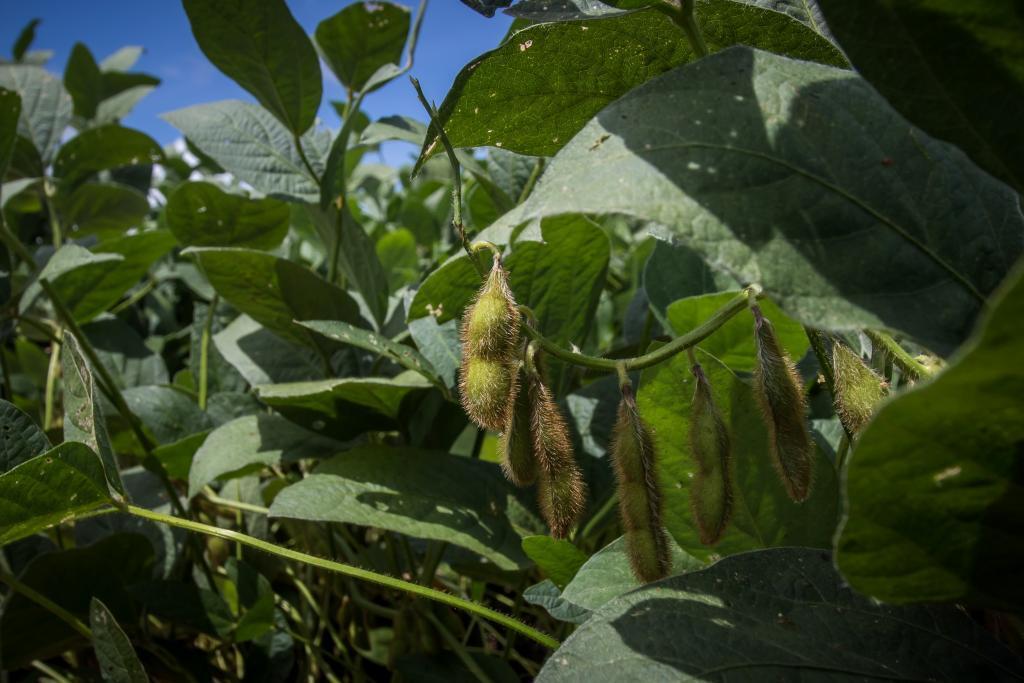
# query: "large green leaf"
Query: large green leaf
203,215
60,483
401,354
105,147
83,415
90,86
45,106
87,283
117,658
935,486
675,272
20,437
10,111
140,250
250,443
447,290
24,39
557,558
763,514
259,45
125,355
262,357
425,494
357,258
343,407
103,209
737,153
561,278
248,142
72,578
170,414
942,47
439,345
774,615
532,94
361,38
275,291
603,577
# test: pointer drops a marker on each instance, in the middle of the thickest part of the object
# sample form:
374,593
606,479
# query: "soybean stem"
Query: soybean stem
49,605
900,357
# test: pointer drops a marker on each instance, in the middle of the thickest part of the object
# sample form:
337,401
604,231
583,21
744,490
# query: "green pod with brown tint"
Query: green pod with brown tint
491,324
485,389
640,503
780,396
515,444
711,487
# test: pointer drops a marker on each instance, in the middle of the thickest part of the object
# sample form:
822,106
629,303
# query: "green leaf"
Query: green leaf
603,577
343,408
763,514
253,146
83,416
251,443
357,258
45,106
781,615
399,258
361,38
117,658
115,108
941,47
439,345
396,127
754,189
103,209
177,457
260,46
733,343
10,111
275,291
262,357
122,59
557,558
102,148
123,352
935,485
201,214
168,413
24,39
255,601
20,438
401,354
72,578
675,272
424,494
536,91
447,290
139,250
63,482
87,283
83,80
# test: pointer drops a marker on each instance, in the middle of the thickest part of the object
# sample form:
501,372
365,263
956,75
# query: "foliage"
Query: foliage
706,367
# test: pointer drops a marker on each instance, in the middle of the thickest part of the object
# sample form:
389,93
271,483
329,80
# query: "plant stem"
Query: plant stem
51,212
49,605
599,516
900,357
456,645
15,245
688,22
49,398
347,570
691,338
204,351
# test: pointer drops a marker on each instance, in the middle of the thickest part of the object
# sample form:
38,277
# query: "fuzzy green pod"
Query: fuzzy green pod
515,444
561,489
491,324
779,393
485,387
711,487
640,504
858,389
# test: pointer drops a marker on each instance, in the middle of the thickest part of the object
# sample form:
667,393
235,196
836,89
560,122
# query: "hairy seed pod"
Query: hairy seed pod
516,441
485,387
779,393
561,489
640,504
490,327
858,390
711,488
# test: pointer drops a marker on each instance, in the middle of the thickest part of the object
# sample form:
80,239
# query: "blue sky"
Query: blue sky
452,35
